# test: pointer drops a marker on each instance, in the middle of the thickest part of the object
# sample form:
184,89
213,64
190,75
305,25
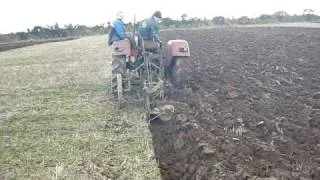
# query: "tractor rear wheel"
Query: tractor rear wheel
119,64
118,75
177,71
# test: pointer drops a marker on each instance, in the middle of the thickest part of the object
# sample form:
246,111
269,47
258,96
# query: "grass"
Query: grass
67,128
76,62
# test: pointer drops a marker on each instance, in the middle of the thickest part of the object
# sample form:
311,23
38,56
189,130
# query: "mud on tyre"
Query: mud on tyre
177,71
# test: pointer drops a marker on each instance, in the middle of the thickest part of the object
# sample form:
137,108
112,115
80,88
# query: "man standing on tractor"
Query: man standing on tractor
149,29
118,29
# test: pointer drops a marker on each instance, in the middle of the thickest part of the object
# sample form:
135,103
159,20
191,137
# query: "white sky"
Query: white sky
18,15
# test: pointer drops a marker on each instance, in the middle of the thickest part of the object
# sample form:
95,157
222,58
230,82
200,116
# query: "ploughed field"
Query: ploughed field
250,108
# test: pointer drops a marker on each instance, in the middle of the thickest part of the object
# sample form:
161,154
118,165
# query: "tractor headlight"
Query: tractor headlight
118,49
183,49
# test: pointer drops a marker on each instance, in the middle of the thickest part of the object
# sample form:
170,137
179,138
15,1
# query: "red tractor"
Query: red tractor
147,63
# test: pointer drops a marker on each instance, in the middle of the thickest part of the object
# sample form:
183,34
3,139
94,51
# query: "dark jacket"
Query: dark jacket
149,29
117,31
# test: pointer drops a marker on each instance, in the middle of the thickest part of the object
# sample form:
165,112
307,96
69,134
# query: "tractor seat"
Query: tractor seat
151,46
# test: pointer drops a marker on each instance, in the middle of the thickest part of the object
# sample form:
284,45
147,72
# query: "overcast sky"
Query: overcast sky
18,15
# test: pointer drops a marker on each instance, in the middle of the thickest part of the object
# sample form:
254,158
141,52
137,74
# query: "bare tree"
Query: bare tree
184,17
308,14
280,15
308,11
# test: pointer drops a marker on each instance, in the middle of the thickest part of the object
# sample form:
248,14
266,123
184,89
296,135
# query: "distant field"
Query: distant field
301,24
56,121
19,44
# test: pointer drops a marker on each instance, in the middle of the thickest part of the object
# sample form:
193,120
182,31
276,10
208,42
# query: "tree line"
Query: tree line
308,15
70,30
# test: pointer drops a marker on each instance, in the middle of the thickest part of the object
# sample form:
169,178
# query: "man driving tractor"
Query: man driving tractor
149,30
118,29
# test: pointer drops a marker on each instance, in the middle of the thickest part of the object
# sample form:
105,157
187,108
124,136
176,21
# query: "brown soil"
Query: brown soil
252,110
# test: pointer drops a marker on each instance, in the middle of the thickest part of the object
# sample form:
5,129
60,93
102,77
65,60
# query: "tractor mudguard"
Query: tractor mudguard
177,52
177,48
121,47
